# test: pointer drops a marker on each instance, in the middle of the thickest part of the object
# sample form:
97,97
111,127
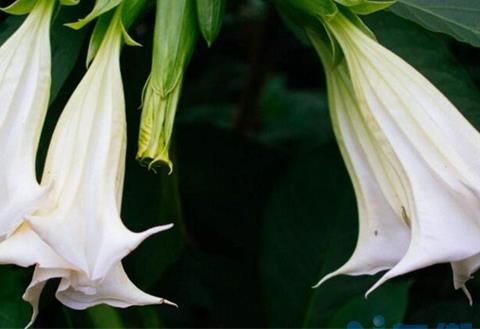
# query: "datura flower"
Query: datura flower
24,92
413,158
174,41
78,235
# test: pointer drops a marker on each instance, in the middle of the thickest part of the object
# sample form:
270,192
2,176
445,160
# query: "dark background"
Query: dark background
260,198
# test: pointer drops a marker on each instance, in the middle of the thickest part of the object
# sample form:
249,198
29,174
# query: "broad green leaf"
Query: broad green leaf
293,116
66,47
210,18
310,228
8,26
14,312
389,303
104,316
457,18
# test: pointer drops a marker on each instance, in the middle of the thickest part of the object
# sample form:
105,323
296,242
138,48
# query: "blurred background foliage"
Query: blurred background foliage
260,198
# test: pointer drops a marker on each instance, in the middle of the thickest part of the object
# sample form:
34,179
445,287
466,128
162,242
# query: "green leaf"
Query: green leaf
457,18
9,26
293,116
104,316
66,48
310,228
210,17
389,303
14,312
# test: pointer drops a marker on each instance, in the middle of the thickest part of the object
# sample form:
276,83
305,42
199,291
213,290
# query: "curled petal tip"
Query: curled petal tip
166,301
153,163
467,294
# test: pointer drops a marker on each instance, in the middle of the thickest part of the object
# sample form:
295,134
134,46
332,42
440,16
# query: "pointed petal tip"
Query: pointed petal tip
166,301
377,284
466,292
140,236
158,229
326,278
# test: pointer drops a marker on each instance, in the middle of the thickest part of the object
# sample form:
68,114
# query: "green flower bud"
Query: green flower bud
174,41
210,17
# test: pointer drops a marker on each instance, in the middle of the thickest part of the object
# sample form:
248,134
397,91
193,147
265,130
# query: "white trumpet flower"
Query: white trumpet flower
78,235
25,76
413,158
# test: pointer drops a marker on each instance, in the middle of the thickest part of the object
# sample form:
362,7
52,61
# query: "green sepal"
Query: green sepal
131,9
336,50
210,18
101,26
128,39
324,39
101,7
20,7
69,2
323,47
357,21
371,6
175,38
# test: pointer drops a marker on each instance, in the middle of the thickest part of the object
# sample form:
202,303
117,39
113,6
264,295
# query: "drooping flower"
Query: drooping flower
78,234
174,41
413,158
25,76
